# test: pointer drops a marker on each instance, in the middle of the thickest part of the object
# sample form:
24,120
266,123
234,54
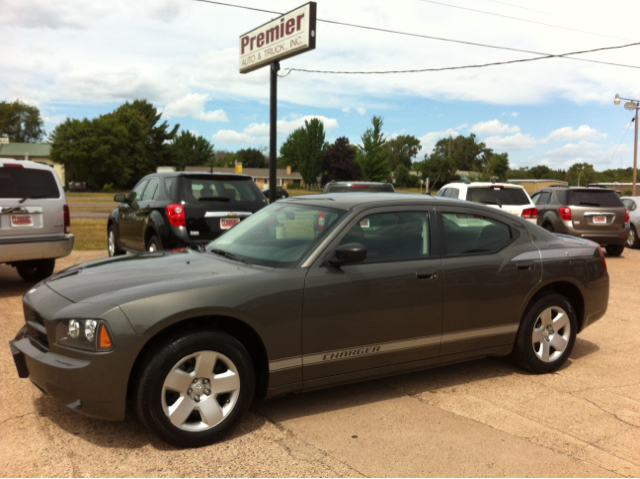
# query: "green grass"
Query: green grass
89,234
92,196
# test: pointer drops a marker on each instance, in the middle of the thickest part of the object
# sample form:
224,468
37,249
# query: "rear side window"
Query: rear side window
361,189
629,204
170,188
471,234
498,196
219,189
604,198
27,183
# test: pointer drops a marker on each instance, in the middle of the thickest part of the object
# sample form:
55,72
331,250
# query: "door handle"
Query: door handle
426,275
525,265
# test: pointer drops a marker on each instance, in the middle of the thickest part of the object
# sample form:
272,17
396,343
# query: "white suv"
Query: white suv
34,218
506,196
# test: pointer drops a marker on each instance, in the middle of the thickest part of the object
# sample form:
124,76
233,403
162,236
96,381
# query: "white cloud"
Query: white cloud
361,110
164,10
583,132
514,114
513,142
234,138
53,15
573,150
346,109
193,105
493,127
429,140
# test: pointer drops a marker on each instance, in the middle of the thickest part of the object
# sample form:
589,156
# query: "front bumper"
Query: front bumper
30,250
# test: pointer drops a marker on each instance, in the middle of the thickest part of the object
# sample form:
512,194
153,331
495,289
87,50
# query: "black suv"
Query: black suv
358,187
594,213
177,209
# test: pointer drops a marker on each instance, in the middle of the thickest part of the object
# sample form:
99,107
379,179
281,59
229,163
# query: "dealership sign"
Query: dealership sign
288,35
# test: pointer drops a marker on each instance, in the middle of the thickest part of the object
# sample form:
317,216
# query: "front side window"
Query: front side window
397,236
277,236
151,191
136,194
472,234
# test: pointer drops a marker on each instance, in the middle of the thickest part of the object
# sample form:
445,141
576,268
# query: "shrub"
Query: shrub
108,188
627,193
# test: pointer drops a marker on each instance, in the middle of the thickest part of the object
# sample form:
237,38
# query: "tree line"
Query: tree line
116,149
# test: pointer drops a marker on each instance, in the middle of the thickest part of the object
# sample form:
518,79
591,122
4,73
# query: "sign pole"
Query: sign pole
273,131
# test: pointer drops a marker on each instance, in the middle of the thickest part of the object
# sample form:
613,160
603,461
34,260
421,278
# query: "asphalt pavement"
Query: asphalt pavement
482,418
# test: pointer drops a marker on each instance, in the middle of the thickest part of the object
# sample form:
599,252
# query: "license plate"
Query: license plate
21,220
228,223
365,223
599,219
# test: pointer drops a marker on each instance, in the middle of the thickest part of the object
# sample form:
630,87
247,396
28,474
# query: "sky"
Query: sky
83,58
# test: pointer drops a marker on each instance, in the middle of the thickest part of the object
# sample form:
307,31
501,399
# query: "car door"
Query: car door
489,266
383,311
541,200
141,214
126,213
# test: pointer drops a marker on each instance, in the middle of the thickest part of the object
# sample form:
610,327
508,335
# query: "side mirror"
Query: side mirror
121,198
349,253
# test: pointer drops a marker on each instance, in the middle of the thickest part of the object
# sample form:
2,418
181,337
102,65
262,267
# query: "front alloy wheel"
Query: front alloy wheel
191,389
632,240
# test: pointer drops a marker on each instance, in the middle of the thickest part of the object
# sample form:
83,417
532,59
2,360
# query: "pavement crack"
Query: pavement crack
607,412
18,417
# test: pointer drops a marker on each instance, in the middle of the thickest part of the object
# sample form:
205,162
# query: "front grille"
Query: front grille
37,333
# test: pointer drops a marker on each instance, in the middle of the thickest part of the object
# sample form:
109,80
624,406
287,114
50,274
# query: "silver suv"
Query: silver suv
594,213
34,218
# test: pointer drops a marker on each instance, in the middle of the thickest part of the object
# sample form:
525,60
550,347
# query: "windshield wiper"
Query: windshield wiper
490,203
227,254
215,198
591,204
32,198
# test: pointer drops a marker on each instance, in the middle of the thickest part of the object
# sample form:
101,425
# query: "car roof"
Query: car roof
27,164
358,183
354,200
482,184
175,174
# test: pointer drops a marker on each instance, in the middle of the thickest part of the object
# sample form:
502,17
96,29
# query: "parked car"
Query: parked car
594,213
177,209
281,193
506,196
632,203
358,187
34,218
285,303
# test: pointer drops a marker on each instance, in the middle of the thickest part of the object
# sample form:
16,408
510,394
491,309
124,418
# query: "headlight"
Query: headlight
87,334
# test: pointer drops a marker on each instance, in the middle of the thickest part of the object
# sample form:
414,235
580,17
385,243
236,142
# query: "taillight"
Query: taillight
530,213
67,219
604,263
12,165
359,186
175,213
322,217
565,213
626,215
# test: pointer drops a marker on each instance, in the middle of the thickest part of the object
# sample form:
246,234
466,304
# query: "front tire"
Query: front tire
36,270
195,387
546,335
633,241
112,243
154,244
614,250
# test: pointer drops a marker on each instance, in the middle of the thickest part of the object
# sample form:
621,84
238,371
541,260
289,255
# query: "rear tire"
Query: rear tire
154,244
548,227
112,242
546,335
193,388
614,250
36,270
633,241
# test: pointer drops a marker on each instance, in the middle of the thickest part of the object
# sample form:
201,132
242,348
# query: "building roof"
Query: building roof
253,172
18,150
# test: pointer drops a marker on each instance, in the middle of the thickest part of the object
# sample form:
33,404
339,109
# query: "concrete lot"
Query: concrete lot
484,418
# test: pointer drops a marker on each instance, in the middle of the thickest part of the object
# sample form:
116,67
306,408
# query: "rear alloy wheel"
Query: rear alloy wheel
112,243
614,250
632,240
194,388
547,334
36,270
154,244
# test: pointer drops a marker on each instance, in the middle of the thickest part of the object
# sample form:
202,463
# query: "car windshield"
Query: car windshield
498,195
277,236
361,189
225,189
19,182
604,198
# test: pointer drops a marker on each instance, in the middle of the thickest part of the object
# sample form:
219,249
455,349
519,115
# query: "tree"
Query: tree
403,149
252,158
540,172
289,150
310,150
499,165
581,174
21,123
188,149
373,156
405,178
439,169
466,153
339,163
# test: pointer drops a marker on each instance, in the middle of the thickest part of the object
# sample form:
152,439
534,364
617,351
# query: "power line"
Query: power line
616,150
430,37
521,19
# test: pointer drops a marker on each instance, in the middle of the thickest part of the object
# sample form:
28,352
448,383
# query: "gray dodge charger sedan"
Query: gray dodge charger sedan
307,293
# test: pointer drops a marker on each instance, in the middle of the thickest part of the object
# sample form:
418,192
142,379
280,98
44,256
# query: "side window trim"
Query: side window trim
143,182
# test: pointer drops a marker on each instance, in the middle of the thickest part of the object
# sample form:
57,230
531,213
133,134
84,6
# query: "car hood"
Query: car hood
124,278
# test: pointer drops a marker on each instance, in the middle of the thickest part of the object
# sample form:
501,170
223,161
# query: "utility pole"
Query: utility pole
273,131
632,105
